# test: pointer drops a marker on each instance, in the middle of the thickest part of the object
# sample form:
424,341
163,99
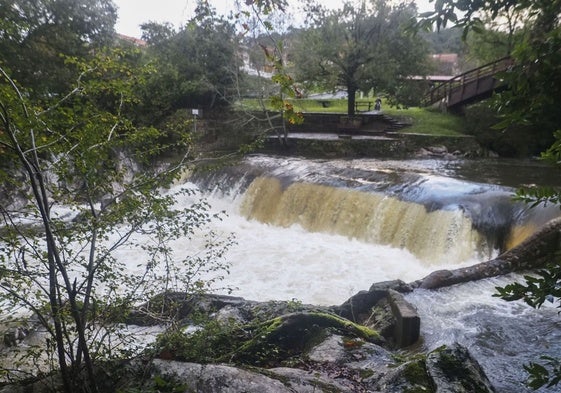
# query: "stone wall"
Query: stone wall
393,145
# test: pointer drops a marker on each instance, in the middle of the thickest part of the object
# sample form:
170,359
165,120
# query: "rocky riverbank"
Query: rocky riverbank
366,344
359,346
370,343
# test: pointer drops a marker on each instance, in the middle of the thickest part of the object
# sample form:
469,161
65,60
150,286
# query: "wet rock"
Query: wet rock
407,321
14,336
213,378
438,150
304,381
383,308
362,362
331,350
178,306
353,352
445,370
359,306
407,377
290,336
454,370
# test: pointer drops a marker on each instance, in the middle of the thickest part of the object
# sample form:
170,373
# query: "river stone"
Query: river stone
445,370
217,378
358,307
330,350
454,370
407,377
362,362
349,351
180,305
303,381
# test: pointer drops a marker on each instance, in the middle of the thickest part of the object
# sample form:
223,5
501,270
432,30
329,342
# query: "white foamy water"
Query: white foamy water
277,263
282,263
502,336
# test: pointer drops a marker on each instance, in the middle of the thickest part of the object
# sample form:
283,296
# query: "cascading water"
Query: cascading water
319,231
432,236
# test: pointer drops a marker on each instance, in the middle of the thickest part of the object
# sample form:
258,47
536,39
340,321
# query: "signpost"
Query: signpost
195,113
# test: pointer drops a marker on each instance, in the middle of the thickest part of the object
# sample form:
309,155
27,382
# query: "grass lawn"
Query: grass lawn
423,120
428,121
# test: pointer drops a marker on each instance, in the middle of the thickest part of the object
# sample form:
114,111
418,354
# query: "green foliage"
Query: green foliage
361,47
211,342
272,51
79,154
287,89
537,196
537,289
37,32
196,67
540,375
445,41
517,140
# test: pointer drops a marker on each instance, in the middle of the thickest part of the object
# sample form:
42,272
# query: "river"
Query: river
320,230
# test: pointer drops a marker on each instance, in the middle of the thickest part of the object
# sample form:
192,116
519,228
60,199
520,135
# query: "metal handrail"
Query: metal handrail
444,90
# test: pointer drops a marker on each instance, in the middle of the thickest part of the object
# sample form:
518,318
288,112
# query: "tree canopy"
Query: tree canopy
361,46
34,34
197,65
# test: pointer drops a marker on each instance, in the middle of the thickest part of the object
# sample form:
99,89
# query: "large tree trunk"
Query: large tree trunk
351,92
534,252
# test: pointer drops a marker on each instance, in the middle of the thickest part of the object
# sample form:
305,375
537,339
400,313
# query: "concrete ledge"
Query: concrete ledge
408,324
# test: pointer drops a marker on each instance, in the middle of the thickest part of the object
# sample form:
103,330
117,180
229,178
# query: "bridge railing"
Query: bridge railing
443,90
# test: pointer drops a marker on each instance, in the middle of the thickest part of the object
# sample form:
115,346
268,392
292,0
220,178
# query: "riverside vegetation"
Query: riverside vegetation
95,127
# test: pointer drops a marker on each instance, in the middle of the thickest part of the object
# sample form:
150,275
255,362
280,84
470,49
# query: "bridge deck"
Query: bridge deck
470,86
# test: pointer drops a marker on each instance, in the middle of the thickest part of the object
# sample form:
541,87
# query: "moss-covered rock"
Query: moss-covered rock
454,370
266,344
445,370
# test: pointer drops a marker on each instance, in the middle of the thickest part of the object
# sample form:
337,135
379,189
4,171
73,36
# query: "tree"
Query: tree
534,91
260,23
197,66
33,34
155,33
89,184
532,100
361,46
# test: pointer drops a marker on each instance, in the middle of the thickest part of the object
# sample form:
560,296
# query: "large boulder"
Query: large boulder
454,370
445,370
384,309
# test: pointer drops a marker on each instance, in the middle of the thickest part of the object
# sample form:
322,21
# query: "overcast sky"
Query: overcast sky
134,12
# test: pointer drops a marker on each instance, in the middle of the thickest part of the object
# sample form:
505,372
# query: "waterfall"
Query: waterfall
432,236
442,212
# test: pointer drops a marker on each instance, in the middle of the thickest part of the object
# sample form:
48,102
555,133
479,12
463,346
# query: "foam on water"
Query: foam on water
288,262
502,336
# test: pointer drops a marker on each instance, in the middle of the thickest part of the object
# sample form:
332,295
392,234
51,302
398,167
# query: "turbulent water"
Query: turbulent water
319,231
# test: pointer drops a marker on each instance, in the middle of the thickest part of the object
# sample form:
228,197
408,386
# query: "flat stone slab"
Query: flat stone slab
408,322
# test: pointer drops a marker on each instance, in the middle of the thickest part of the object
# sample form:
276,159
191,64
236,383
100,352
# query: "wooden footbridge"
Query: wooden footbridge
469,87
